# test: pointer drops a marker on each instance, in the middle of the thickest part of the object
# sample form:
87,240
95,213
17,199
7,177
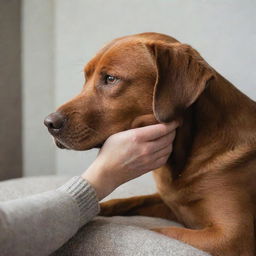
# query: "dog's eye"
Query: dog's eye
110,79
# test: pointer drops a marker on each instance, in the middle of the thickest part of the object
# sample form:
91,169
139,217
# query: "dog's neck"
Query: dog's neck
221,119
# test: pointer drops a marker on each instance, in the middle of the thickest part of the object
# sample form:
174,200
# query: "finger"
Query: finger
166,151
155,131
150,160
162,142
159,163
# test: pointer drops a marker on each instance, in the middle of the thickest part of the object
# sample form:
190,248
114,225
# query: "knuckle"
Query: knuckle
144,152
135,137
165,130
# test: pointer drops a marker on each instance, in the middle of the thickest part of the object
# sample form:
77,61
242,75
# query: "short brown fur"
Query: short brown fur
208,184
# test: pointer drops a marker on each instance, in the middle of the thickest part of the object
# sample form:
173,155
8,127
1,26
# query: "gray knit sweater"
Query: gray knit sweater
42,223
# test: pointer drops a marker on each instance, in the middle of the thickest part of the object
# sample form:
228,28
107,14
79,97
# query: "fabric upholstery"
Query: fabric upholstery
106,236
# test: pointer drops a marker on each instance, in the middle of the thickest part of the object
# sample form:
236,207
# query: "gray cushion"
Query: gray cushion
106,236
126,236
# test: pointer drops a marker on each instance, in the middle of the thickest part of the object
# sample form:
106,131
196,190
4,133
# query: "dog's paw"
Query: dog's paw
157,230
106,209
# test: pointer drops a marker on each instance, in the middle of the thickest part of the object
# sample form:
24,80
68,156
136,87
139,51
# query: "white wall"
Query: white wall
223,31
37,85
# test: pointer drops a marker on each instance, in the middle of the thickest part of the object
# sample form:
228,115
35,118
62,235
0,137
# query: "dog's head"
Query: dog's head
133,81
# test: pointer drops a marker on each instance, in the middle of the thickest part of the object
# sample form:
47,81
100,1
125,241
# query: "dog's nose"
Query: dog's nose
54,121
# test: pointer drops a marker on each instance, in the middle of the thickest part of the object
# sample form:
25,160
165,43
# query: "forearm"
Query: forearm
40,224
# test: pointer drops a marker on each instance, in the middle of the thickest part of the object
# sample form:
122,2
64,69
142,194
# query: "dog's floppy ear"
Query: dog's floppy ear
182,75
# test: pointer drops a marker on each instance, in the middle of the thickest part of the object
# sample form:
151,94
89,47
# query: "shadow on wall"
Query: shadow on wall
10,90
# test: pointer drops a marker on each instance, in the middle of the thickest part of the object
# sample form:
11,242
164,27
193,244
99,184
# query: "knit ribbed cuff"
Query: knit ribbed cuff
85,196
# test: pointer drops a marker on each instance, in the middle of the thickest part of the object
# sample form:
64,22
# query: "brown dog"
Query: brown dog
209,182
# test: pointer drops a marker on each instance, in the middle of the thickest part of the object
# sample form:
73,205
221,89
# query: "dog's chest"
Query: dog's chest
167,191
178,200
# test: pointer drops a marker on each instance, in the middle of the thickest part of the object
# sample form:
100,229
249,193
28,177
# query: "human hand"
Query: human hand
130,154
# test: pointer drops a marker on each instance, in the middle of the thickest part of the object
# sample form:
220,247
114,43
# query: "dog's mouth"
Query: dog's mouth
59,144
99,145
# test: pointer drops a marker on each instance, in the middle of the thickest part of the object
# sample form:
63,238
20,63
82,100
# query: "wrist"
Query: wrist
99,178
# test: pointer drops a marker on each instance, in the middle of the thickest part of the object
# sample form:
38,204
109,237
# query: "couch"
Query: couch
105,236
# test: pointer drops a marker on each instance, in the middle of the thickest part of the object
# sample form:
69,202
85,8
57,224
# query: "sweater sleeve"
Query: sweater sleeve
42,223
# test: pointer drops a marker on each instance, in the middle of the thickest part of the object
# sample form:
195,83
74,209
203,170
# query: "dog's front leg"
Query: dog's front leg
148,205
214,239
